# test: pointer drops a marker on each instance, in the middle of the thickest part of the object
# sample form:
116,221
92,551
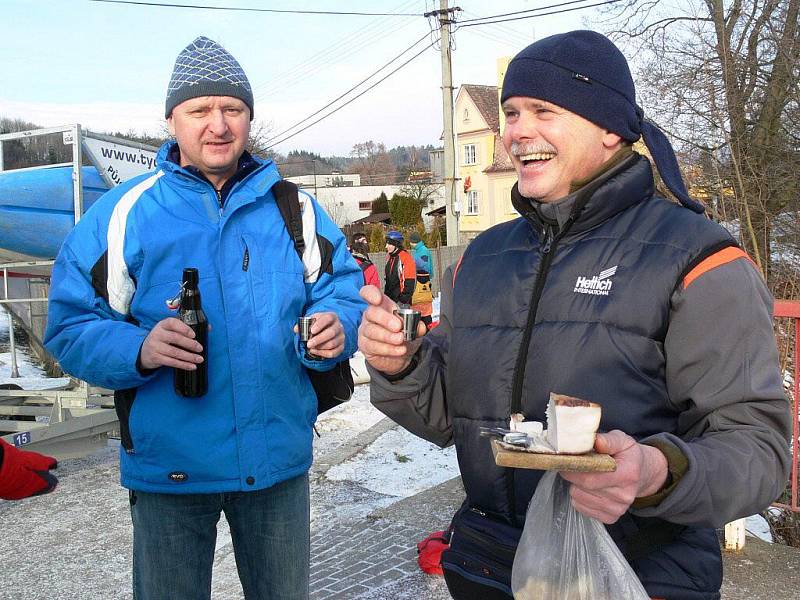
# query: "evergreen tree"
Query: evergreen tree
380,205
405,211
377,238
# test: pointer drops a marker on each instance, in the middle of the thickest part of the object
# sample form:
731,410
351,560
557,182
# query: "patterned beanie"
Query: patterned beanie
584,72
204,68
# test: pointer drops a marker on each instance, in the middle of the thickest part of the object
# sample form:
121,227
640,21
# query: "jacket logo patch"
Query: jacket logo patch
599,285
178,476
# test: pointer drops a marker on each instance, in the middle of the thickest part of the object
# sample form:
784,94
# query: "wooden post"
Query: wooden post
734,536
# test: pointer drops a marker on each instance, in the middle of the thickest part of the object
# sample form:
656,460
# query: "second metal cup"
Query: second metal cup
304,325
410,319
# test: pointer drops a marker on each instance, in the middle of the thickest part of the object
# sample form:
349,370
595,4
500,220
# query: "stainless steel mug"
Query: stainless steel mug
410,319
304,327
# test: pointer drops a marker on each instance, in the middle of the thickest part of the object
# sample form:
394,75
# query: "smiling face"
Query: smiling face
552,147
212,133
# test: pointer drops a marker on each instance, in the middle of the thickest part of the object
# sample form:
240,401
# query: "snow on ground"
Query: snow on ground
32,376
398,464
756,526
343,422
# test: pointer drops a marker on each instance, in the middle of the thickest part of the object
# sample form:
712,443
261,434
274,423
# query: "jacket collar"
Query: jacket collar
248,166
615,190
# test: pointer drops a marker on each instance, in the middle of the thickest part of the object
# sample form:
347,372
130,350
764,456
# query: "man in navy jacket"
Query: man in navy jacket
606,291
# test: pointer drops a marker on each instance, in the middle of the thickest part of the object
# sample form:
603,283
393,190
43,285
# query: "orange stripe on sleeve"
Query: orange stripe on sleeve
455,271
717,259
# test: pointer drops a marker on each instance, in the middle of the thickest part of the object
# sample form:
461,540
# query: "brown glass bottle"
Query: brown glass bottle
193,384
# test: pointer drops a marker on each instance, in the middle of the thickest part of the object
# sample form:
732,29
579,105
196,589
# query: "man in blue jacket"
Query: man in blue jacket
245,447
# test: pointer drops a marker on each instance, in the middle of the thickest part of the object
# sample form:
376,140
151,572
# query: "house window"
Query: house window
469,154
466,115
472,202
365,205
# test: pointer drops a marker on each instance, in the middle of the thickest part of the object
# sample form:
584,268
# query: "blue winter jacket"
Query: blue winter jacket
422,258
110,284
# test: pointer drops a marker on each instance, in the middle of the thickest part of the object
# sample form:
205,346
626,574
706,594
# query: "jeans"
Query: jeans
174,537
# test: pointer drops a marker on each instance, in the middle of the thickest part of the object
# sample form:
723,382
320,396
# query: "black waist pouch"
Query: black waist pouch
477,565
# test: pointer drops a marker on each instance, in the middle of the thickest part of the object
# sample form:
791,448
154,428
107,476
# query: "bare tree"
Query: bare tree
260,132
336,211
373,163
723,81
419,183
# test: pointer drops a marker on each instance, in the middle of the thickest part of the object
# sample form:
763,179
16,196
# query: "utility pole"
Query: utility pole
452,210
314,162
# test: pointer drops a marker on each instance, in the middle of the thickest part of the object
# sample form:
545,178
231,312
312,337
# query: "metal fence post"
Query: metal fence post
13,349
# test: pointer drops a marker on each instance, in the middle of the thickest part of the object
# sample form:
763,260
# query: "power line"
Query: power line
342,50
541,8
277,135
503,33
265,10
373,86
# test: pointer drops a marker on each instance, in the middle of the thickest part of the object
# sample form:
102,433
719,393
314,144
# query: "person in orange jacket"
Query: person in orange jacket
401,274
24,473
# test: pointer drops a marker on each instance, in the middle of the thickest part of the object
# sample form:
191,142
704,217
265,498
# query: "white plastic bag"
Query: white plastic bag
564,555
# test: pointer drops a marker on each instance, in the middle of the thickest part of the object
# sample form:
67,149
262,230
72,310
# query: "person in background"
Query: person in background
245,447
422,300
421,254
359,248
606,291
401,274
24,473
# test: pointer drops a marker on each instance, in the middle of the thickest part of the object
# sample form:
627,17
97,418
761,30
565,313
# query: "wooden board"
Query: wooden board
520,459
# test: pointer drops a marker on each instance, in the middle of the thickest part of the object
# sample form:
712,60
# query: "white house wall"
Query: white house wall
342,203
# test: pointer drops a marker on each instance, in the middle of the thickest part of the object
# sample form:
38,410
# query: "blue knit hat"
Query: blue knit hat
584,72
204,68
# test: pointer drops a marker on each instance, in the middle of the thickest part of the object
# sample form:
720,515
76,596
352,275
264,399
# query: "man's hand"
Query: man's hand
641,471
327,335
380,336
171,343
24,473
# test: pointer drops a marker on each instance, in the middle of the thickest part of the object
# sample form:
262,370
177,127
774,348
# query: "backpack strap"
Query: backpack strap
288,201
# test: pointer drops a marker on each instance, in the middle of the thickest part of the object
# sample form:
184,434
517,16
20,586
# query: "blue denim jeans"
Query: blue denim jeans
174,537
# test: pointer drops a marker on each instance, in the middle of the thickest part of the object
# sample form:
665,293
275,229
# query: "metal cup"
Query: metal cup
304,327
410,319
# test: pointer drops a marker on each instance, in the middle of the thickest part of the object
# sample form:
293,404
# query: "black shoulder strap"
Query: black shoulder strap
286,196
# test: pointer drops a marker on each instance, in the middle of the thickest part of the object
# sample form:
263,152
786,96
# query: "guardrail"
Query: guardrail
791,310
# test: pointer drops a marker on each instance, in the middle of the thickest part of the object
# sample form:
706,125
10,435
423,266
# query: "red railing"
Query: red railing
791,310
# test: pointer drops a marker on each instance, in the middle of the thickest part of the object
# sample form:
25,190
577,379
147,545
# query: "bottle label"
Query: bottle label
190,317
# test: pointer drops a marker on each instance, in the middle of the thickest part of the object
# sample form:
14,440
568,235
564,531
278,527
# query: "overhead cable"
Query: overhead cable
370,76
352,42
270,145
484,21
250,9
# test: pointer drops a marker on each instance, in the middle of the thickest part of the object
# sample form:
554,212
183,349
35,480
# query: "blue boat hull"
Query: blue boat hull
36,208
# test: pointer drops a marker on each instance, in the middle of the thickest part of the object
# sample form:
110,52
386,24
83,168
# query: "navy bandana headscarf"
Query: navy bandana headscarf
584,72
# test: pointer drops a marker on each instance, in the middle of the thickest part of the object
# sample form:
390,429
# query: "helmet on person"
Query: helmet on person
394,236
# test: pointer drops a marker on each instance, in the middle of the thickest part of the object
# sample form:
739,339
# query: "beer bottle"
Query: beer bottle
193,384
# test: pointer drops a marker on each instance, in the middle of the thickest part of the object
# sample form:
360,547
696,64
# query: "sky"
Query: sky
106,66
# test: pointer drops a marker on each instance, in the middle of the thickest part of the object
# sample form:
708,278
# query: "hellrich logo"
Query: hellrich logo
599,285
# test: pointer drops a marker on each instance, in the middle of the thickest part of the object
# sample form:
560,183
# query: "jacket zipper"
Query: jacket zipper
219,200
548,250
548,246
